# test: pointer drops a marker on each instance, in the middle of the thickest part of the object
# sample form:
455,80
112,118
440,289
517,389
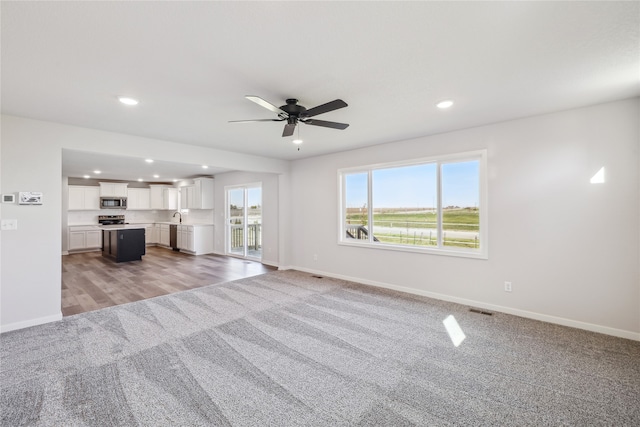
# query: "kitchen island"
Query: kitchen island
123,243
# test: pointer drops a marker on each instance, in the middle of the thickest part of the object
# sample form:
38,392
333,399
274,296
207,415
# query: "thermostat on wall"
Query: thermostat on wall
8,198
30,198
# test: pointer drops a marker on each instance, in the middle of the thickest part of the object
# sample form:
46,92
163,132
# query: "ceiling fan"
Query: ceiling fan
294,114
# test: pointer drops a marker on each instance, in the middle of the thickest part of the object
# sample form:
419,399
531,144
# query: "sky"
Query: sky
254,196
415,186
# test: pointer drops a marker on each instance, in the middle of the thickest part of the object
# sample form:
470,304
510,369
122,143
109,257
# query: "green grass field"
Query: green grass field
421,226
466,219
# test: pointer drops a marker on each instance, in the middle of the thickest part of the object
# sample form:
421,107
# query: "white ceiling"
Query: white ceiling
192,63
80,163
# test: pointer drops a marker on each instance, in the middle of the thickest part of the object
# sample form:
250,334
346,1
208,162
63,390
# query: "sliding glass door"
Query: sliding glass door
244,221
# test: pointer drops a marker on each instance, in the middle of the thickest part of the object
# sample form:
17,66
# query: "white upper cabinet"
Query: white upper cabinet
138,198
113,189
84,198
163,197
188,197
197,196
170,198
204,193
157,197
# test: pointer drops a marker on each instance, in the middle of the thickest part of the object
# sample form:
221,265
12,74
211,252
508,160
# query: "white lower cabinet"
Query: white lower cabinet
149,235
195,239
164,234
152,234
93,238
185,238
77,240
84,237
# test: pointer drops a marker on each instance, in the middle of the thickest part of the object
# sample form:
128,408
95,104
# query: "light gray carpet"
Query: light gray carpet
288,349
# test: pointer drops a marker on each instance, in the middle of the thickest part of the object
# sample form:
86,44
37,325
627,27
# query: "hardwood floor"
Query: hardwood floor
91,282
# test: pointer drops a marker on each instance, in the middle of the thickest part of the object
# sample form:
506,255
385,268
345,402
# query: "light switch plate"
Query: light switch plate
9,224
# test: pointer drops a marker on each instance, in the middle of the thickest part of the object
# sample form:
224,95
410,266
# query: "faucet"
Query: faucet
174,215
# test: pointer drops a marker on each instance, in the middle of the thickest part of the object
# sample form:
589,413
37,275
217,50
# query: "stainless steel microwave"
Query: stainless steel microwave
113,203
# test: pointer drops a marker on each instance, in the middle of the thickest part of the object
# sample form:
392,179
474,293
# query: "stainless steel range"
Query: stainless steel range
110,219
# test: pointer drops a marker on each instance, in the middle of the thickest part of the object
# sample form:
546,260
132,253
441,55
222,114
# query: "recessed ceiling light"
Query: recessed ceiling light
156,176
97,172
149,160
444,104
86,177
139,179
128,101
297,141
205,167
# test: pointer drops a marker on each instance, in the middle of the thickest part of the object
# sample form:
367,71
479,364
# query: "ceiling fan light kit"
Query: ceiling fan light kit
294,113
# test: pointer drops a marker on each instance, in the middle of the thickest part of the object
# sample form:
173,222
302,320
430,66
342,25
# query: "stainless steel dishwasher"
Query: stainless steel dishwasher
173,237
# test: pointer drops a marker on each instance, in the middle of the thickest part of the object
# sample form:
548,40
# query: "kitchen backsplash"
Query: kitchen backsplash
91,217
198,216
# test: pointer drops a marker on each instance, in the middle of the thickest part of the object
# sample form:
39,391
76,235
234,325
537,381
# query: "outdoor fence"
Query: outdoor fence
426,224
254,236
413,237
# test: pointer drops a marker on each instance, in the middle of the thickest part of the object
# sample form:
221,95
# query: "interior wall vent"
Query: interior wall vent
477,310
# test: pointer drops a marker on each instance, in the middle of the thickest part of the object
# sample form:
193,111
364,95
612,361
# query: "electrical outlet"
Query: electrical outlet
315,257
507,286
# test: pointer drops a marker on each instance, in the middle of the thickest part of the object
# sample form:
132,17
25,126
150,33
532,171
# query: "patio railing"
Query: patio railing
359,232
254,236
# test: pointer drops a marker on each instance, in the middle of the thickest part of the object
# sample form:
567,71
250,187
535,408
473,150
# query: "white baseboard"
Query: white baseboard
621,333
31,322
263,261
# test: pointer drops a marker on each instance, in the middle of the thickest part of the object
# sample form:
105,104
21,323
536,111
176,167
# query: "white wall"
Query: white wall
570,248
31,156
270,211
576,263
30,266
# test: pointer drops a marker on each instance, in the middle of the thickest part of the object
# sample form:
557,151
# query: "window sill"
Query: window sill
442,252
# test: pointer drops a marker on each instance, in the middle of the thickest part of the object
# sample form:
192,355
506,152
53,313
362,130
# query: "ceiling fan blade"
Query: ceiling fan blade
325,108
265,104
255,120
323,123
288,129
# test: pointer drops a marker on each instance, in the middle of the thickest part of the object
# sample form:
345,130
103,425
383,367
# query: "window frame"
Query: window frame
478,155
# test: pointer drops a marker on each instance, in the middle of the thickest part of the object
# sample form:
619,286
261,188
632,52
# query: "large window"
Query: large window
435,205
